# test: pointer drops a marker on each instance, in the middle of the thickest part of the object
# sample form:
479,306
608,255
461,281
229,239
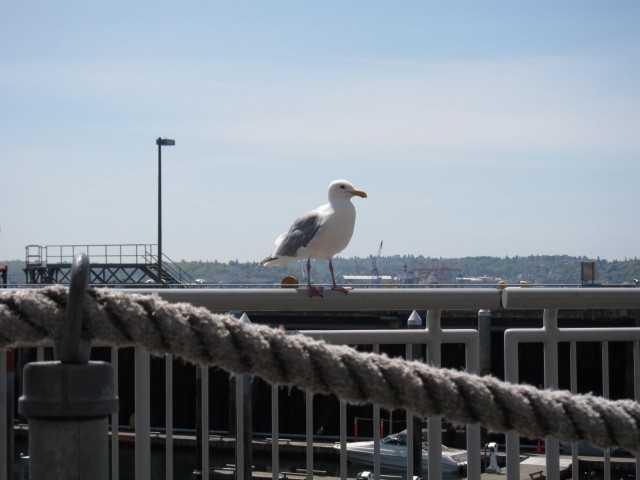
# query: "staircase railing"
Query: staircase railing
109,254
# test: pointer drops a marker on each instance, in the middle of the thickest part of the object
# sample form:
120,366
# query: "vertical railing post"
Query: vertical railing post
573,379
244,431
376,430
115,425
636,389
275,433
198,466
511,375
473,452
142,414
550,325
414,424
343,440
308,409
68,401
484,341
202,421
606,394
10,392
434,424
168,393
4,423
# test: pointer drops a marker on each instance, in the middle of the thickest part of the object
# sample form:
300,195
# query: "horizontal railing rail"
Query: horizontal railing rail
571,298
403,299
136,253
297,300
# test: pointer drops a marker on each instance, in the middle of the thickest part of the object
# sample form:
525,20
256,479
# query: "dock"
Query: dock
532,465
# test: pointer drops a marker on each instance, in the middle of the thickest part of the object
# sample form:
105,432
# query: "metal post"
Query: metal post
573,378
68,401
4,430
605,394
511,375
484,341
636,394
198,468
309,433
376,430
550,326
343,440
434,424
159,142
115,426
204,422
244,431
414,424
142,414
7,360
275,433
169,416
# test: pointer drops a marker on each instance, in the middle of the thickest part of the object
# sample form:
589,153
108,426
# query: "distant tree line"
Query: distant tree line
534,269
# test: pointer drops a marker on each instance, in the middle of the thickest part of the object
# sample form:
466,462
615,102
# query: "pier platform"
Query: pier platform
532,465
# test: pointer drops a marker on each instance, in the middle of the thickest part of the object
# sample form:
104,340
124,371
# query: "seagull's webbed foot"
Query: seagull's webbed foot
335,285
314,291
344,290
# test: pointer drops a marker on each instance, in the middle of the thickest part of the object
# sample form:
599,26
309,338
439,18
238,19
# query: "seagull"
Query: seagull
320,234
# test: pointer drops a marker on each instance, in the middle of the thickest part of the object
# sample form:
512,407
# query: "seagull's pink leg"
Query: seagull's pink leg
335,285
312,289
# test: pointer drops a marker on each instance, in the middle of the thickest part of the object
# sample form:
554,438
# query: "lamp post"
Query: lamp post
167,143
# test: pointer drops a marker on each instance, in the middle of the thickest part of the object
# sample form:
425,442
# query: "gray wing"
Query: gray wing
300,234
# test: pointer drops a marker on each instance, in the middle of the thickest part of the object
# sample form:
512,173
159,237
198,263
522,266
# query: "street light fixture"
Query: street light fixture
166,142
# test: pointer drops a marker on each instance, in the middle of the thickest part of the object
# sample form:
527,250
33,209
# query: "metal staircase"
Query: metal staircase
111,265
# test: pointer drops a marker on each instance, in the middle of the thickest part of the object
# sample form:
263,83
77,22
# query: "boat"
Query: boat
393,454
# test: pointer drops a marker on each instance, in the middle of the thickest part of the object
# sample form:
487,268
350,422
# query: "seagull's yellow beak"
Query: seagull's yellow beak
359,193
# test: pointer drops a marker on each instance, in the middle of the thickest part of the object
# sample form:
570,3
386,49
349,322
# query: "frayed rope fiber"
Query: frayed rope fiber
196,335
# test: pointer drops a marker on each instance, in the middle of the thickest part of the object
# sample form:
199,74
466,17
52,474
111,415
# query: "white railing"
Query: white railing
434,301
550,335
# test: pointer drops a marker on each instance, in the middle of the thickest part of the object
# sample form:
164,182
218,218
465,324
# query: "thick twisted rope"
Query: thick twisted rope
199,336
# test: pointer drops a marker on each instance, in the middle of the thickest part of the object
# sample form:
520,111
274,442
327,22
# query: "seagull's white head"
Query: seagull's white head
342,189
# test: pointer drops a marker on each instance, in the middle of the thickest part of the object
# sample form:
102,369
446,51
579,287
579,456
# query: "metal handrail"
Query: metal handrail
287,299
99,253
407,299
600,297
121,254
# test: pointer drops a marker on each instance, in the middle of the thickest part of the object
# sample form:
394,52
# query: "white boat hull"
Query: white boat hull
394,457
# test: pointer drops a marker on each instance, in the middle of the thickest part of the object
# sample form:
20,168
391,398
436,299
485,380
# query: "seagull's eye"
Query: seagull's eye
342,187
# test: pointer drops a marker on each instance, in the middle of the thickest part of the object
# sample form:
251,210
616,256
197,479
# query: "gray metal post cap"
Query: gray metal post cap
57,390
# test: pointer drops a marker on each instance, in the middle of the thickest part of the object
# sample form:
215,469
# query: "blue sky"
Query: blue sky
477,128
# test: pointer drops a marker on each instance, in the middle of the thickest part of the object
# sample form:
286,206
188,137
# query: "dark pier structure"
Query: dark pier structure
137,265
122,265
293,401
